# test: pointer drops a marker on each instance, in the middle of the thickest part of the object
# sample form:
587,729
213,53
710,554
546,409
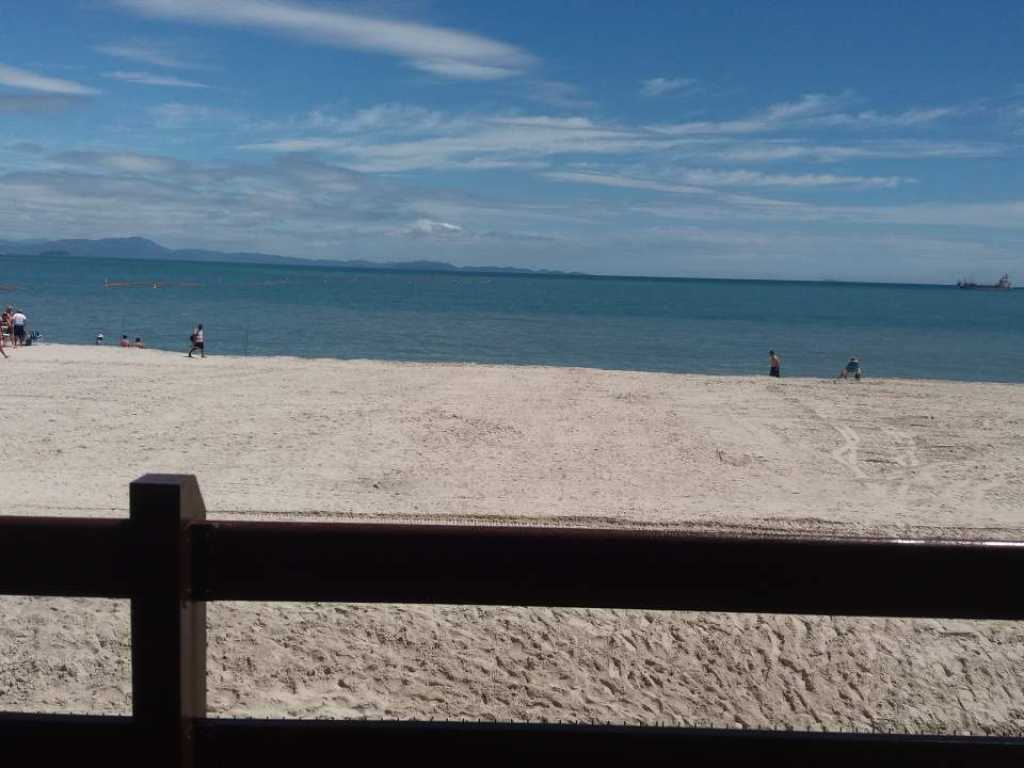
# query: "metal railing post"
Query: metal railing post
168,626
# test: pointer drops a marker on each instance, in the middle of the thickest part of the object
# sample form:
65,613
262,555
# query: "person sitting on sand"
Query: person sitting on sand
198,341
852,368
775,364
138,343
124,341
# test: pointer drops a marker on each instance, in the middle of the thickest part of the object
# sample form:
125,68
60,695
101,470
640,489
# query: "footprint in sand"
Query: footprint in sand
846,454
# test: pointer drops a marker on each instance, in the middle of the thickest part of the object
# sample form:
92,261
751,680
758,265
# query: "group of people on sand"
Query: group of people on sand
197,341
13,329
852,368
125,342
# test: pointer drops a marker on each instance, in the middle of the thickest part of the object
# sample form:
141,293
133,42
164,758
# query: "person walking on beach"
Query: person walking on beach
775,364
18,321
198,341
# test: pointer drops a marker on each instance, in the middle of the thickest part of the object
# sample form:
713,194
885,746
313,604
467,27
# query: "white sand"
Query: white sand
463,443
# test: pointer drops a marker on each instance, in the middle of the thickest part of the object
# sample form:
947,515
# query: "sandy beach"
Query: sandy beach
286,438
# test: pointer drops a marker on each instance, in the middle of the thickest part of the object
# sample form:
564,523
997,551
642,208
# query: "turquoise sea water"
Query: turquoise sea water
699,326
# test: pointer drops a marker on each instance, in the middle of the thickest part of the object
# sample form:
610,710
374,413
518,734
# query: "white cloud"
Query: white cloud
744,178
145,78
438,50
872,119
429,228
623,182
396,137
176,115
22,79
811,110
911,149
462,70
475,142
659,86
146,53
697,180
559,94
125,162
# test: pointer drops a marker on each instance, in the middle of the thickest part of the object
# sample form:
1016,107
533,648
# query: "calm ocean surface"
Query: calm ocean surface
697,326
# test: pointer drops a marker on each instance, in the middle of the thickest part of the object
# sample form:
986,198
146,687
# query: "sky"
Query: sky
876,141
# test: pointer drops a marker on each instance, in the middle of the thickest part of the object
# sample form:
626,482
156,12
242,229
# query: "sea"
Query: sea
619,323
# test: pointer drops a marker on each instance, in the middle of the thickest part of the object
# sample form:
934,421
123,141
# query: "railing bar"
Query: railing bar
64,557
347,562
265,742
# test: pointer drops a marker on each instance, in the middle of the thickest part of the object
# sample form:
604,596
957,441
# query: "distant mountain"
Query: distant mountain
141,249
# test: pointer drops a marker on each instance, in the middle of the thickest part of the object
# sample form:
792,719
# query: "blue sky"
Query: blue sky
808,140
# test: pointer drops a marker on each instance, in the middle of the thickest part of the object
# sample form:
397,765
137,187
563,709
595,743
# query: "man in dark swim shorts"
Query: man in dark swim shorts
776,364
198,341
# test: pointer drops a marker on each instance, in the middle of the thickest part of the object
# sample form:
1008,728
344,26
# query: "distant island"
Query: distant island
143,249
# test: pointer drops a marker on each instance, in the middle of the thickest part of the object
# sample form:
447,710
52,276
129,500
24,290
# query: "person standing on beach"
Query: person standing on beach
198,341
18,320
775,364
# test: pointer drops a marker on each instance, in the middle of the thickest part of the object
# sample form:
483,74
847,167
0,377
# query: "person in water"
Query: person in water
775,364
852,368
198,341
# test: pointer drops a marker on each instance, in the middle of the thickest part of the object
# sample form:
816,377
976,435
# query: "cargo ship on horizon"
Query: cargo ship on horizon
1003,284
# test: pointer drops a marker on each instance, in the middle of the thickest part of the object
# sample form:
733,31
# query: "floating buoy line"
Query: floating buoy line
154,284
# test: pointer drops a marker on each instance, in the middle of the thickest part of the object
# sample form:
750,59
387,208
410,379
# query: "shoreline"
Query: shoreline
241,358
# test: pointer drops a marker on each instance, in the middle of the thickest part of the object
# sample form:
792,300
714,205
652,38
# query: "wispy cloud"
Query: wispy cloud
123,162
659,86
22,79
397,137
906,149
745,178
437,50
809,111
622,182
430,228
177,115
480,142
146,78
146,53
27,147
696,180
559,94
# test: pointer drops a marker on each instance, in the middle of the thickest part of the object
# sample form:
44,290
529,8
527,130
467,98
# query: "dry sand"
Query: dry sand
293,439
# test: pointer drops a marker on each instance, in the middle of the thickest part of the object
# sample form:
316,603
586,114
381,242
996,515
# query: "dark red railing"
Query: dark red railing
169,561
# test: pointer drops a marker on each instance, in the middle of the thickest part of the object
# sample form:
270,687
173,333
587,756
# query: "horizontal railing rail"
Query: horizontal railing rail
169,561
558,567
